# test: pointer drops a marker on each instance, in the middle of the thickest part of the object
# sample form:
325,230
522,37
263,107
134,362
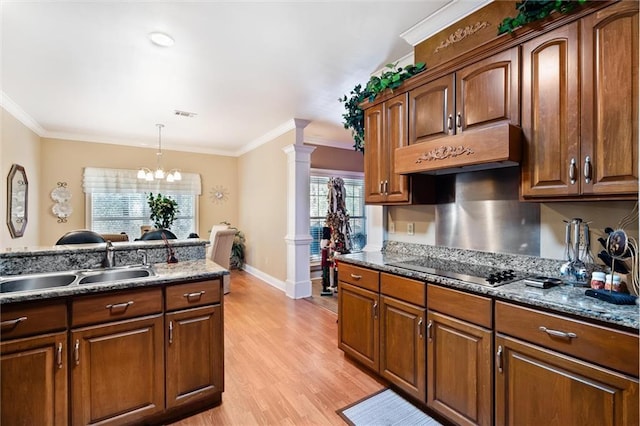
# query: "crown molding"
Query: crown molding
285,127
14,109
444,17
313,140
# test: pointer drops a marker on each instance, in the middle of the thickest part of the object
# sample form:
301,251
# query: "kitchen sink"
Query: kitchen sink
62,279
36,282
114,275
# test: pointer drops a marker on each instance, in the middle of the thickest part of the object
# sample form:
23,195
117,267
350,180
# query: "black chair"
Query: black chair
157,235
80,236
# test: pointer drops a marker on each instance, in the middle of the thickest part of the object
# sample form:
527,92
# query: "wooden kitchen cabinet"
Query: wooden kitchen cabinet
580,108
34,380
117,362
459,356
194,343
358,325
484,93
555,370
386,130
33,364
539,386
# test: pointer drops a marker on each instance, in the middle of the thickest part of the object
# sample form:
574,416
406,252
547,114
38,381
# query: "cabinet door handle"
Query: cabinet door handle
76,352
587,169
381,187
356,277
499,359
459,121
12,323
197,294
386,187
557,333
572,171
375,310
430,330
450,123
59,355
420,327
116,306
170,332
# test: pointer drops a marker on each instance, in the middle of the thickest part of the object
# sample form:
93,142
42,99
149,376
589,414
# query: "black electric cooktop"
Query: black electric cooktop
475,274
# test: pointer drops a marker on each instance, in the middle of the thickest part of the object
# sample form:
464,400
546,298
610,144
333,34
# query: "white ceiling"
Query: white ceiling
87,71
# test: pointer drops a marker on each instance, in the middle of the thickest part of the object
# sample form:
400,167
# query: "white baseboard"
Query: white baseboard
272,281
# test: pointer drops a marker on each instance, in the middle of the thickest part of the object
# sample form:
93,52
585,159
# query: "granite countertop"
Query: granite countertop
565,299
165,274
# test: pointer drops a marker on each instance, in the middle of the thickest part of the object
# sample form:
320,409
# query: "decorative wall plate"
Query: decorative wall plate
61,194
62,210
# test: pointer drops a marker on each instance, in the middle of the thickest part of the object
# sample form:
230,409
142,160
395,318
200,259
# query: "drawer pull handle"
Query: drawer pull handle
420,327
170,332
557,333
197,294
499,359
59,355
12,323
375,310
117,306
76,352
430,330
356,277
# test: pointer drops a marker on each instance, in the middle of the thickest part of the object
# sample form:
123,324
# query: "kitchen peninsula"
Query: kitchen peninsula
447,343
156,341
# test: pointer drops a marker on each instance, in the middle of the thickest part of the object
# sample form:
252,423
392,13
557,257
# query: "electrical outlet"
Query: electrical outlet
392,227
410,228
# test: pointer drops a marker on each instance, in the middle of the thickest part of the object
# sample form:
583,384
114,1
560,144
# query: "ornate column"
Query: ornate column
298,239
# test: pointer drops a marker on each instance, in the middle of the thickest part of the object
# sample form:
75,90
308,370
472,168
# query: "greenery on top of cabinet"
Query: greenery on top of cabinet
391,79
534,10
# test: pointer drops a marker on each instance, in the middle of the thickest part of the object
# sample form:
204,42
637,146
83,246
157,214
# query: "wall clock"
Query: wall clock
219,194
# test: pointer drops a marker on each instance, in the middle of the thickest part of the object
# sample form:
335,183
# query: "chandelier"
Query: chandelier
147,174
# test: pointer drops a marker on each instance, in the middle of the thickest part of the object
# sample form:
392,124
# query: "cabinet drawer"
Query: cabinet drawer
611,348
190,295
406,289
115,306
361,277
469,307
32,318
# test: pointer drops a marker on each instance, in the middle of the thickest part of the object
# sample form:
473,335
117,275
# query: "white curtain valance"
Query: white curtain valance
123,180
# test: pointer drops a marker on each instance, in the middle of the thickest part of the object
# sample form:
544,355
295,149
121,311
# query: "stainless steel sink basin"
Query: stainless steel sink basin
36,282
114,275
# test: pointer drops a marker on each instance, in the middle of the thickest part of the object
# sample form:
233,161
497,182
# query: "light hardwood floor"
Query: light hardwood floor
282,362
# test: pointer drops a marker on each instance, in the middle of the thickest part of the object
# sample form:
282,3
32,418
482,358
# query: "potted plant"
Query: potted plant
237,249
163,210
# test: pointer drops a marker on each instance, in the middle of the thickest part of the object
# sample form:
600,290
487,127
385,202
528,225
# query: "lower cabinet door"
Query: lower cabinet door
536,386
358,325
402,345
34,381
459,370
117,371
194,354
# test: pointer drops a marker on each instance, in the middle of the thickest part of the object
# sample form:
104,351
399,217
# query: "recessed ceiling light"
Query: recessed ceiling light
161,39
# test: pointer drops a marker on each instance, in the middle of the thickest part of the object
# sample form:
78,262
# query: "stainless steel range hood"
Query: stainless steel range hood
487,148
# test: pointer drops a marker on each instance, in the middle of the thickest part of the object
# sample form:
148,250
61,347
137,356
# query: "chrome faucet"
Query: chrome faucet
110,256
145,259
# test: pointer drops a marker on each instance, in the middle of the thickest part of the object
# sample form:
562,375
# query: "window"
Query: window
354,201
117,201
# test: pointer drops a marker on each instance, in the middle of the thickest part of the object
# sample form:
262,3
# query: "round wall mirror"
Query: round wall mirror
17,196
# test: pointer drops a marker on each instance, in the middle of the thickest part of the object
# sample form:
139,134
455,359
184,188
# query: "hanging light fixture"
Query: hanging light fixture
159,173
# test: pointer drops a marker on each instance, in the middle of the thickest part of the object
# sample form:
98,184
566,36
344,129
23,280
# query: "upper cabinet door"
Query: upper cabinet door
431,110
610,100
488,92
550,114
396,187
375,170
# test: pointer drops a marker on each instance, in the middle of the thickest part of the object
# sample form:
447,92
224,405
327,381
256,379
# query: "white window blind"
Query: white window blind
117,201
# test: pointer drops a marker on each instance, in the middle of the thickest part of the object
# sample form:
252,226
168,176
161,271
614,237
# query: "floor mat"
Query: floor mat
385,408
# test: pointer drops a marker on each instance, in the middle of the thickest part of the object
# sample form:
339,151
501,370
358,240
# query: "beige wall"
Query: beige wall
325,157
19,145
262,175
64,161
552,228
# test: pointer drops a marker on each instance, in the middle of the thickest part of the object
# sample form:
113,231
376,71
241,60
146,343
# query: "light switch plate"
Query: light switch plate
410,228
